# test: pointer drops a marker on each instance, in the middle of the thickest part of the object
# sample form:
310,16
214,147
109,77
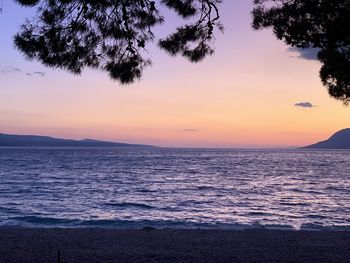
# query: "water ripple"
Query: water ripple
185,188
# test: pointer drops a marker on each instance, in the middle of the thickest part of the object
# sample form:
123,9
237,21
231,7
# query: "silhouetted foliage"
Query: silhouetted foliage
112,35
323,24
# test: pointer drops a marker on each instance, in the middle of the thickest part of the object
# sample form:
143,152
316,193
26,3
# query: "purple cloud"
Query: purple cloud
304,105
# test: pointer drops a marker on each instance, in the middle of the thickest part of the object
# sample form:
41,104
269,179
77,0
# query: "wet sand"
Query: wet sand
147,246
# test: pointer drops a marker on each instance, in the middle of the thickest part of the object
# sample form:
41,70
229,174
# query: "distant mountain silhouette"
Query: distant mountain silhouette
340,140
11,140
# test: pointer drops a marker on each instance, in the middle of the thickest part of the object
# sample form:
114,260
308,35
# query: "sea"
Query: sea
174,188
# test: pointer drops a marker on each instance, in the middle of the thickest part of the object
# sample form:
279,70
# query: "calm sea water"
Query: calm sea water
183,188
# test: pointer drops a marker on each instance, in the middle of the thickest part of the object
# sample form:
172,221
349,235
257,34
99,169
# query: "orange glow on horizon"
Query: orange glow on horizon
243,96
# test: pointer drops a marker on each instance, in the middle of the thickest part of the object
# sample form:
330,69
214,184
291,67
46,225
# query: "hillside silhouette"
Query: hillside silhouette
339,140
11,140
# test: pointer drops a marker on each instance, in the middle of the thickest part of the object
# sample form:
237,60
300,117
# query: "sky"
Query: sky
253,92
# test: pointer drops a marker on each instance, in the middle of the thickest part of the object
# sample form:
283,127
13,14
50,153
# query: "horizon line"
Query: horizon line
243,147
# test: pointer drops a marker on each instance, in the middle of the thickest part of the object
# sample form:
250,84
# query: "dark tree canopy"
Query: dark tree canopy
112,35
322,24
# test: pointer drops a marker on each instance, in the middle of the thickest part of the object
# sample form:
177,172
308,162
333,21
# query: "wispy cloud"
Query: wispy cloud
305,53
39,73
36,73
9,69
304,105
189,130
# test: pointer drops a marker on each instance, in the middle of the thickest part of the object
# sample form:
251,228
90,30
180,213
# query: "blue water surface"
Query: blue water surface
180,188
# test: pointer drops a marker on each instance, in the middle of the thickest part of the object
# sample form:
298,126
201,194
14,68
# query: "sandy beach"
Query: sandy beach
168,245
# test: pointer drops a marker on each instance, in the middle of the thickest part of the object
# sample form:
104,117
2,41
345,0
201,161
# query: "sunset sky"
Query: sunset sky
242,96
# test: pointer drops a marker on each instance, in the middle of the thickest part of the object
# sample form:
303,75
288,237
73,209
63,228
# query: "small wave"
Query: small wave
312,227
206,188
146,191
49,222
322,227
98,223
192,172
316,216
306,191
190,203
9,210
130,205
293,204
337,189
44,220
256,213
160,224
277,227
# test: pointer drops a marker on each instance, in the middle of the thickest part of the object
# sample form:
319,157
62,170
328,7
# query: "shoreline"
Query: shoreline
36,245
